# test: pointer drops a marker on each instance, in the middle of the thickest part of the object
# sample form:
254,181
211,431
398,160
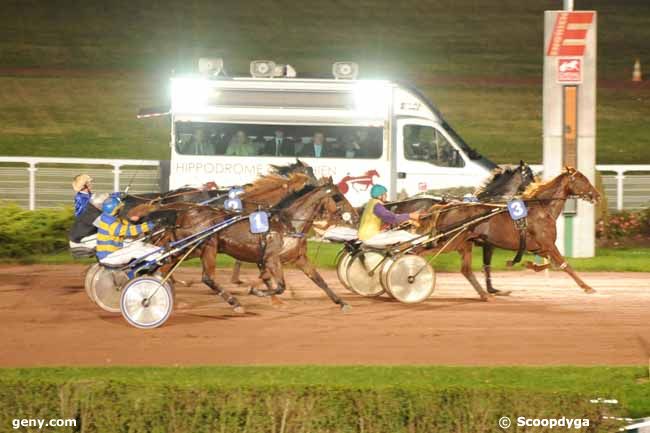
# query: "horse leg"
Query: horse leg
559,261
466,270
208,260
236,269
537,268
488,249
308,269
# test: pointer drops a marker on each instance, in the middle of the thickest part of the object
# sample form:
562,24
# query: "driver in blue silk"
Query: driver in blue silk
112,230
82,184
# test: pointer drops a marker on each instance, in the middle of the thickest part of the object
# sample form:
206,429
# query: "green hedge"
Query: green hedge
25,233
106,406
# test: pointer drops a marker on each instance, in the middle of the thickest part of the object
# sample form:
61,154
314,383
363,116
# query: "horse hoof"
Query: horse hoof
239,309
346,308
237,282
496,292
589,290
487,298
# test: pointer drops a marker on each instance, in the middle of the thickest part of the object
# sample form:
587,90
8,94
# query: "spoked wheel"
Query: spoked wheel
363,272
88,280
146,302
341,269
409,278
105,288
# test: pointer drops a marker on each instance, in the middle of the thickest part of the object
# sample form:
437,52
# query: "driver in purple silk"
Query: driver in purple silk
375,214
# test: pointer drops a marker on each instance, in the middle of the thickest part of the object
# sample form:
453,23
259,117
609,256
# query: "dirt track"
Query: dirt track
46,319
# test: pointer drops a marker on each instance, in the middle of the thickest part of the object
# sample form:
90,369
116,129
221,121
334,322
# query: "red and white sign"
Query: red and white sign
569,34
569,70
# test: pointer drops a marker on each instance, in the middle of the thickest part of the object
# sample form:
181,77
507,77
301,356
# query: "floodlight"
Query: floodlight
371,97
190,94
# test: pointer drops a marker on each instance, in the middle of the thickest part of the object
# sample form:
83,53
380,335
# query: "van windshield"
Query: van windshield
318,141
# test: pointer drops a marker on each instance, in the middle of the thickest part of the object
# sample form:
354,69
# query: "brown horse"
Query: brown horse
266,191
503,184
545,201
285,242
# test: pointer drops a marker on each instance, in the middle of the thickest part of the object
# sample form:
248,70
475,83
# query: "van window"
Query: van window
228,139
425,143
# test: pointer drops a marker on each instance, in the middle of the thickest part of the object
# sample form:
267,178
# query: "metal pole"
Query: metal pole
568,5
116,177
32,185
619,190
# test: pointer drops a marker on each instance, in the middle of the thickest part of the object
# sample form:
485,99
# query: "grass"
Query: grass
98,65
627,384
324,256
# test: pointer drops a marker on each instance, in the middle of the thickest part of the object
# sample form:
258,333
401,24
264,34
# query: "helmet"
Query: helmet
377,191
80,181
111,205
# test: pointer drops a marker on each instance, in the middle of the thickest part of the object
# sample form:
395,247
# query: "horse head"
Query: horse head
505,183
578,185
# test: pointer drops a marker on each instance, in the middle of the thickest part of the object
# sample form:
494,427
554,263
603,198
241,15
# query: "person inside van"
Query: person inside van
199,144
316,148
240,145
279,145
375,214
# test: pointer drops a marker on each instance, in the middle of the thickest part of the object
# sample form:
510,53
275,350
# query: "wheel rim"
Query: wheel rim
410,279
106,289
341,269
363,273
145,303
88,280
383,276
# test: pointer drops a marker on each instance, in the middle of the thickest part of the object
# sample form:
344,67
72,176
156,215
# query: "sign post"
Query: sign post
569,117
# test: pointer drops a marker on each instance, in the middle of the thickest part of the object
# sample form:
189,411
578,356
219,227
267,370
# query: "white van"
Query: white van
360,132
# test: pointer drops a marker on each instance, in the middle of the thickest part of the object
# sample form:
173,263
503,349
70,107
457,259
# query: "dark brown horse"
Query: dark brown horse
286,242
545,202
503,184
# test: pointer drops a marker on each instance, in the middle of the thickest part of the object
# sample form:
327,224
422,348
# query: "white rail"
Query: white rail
619,169
32,168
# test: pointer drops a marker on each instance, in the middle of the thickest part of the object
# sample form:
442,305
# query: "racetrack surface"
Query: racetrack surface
46,319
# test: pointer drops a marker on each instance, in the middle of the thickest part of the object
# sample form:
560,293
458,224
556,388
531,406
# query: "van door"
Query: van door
427,159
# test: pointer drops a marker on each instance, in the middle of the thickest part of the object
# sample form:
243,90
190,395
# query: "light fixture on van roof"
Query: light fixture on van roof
210,65
262,68
345,70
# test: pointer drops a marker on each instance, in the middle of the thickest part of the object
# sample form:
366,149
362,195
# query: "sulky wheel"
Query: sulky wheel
147,302
88,280
106,288
342,267
363,272
409,279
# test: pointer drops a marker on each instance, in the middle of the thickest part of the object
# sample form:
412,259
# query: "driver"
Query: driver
82,185
375,213
112,230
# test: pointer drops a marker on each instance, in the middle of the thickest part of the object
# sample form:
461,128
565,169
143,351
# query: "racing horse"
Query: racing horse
486,223
285,242
503,184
